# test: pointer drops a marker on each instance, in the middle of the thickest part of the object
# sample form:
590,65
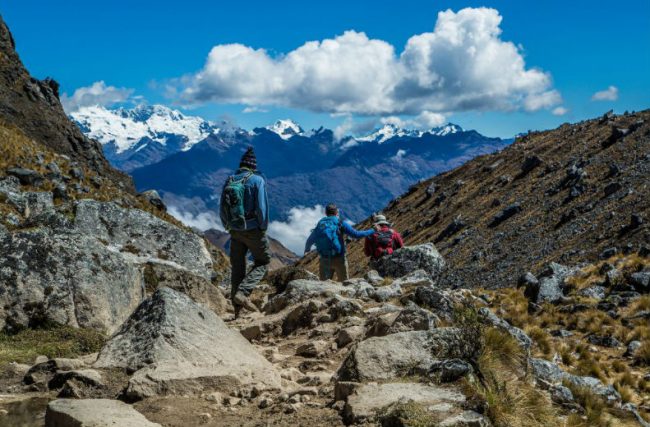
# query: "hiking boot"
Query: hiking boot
240,300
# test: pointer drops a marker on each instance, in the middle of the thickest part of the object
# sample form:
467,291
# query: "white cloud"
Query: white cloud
201,221
462,65
399,155
544,100
293,233
254,109
560,111
428,120
609,94
96,94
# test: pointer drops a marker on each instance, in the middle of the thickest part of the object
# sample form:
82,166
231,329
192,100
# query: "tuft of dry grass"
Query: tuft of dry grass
511,400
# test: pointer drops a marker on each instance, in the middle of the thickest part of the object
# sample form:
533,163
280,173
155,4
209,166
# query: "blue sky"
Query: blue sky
582,47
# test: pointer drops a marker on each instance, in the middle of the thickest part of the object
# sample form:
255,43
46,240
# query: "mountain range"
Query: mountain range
187,158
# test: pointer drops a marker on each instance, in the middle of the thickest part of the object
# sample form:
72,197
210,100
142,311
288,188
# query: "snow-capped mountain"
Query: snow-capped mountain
142,135
286,128
391,130
125,127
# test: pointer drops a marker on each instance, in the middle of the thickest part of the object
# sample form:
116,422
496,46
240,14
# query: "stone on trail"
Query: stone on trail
368,400
405,353
177,346
93,413
411,258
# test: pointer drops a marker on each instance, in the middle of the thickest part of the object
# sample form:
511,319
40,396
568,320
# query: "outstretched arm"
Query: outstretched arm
356,234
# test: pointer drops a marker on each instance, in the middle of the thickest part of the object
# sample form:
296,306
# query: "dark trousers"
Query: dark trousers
241,242
330,265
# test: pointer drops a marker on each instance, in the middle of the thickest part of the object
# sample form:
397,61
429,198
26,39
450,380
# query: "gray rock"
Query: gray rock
551,374
435,300
528,280
594,292
89,377
604,340
26,176
505,214
302,290
404,353
413,318
550,285
315,348
177,346
147,238
373,277
614,277
64,278
154,199
632,347
411,258
349,335
466,419
369,400
88,271
451,370
641,281
386,293
93,413
492,319
561,395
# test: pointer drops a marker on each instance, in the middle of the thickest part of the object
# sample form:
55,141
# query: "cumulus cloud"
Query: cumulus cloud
201,221
96,94
560,111
463,64
609,94
294,232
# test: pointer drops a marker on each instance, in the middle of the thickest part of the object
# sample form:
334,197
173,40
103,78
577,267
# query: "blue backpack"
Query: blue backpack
326,237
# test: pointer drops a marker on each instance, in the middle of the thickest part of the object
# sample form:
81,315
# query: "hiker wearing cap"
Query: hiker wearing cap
383,242
244,212
330,243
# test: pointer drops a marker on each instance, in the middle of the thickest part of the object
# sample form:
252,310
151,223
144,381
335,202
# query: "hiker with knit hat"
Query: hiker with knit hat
330,243
383,242
244,212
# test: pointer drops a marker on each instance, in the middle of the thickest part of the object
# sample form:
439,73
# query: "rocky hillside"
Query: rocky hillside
33,106
280,256
565,195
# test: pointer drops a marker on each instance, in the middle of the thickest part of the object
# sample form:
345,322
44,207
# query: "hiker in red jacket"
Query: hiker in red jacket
382,242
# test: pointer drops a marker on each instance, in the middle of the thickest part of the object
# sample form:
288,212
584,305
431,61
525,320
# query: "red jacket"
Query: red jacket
372,249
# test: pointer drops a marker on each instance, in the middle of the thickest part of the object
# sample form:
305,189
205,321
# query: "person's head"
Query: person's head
248,160
381,220
331,210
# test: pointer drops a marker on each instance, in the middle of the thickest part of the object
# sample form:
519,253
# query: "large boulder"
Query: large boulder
405,353
92,270
64,278
143,237
411,258
93,413
176,346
